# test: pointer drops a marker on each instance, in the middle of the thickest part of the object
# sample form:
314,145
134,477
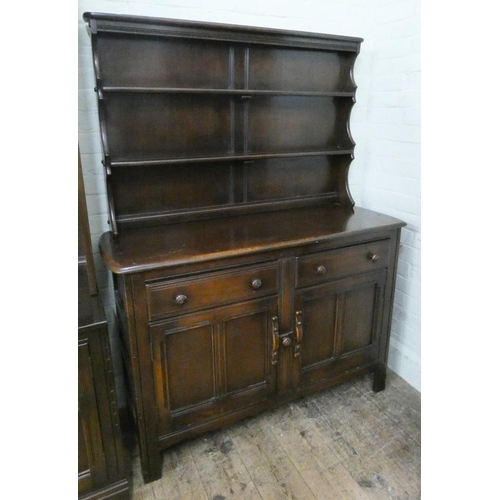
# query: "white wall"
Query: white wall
385,122
391,166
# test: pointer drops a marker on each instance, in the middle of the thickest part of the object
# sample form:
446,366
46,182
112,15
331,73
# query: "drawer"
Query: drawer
209,290
325,266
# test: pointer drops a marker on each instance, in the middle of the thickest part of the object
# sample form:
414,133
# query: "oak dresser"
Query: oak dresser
244,276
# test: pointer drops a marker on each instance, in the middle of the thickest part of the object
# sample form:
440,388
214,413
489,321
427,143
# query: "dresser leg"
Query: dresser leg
379,376
154,471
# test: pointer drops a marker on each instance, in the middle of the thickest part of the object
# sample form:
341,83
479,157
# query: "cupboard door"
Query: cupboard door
91,454
338,326
213,363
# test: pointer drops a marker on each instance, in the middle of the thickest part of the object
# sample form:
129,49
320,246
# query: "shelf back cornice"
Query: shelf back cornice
140,25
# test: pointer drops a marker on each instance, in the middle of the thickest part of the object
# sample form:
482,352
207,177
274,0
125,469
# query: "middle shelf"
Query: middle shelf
242,93
164,126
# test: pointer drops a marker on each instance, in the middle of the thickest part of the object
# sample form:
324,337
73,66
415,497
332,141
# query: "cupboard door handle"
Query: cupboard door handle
320,269
276,340
373,257
180,299
299,332
256,283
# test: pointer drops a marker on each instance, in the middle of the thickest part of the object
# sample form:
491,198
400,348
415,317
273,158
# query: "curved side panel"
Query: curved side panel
111,204
102,127
342,165
351,71
98,89
351,74
348,123
343,192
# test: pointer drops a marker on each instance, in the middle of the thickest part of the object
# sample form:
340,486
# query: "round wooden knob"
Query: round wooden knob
320,269
373,257
286,341
180,299
256,283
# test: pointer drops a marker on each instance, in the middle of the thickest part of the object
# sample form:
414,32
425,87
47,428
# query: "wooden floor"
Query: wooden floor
343,443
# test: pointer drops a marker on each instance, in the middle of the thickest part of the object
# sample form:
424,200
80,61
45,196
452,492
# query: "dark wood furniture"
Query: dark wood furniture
244,276
101,461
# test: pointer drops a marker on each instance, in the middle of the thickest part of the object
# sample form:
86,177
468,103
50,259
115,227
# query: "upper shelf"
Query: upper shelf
145,63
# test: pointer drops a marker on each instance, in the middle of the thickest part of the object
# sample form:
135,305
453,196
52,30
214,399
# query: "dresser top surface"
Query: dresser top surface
144,249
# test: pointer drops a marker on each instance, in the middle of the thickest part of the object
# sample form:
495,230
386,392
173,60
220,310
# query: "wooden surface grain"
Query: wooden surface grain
346,443
148,248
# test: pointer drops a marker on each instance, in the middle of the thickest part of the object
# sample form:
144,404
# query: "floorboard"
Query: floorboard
345,443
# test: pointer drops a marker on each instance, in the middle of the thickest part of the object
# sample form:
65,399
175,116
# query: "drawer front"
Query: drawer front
324,266
189,294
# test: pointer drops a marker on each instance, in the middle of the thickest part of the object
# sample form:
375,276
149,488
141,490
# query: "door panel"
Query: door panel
212,363
246,348
340,326
319,321
91,456
187,386
359,313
